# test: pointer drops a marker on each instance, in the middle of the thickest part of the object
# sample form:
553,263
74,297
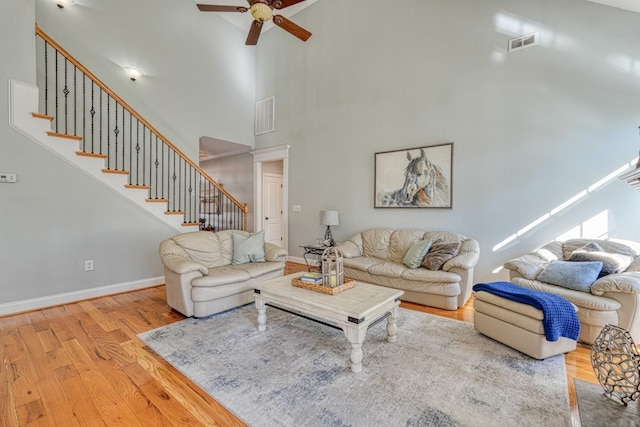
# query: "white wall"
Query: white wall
532,129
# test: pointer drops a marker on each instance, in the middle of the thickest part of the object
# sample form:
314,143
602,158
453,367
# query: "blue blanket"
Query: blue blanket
560,318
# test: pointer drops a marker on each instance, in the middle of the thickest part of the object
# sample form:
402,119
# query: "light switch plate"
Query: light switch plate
7,177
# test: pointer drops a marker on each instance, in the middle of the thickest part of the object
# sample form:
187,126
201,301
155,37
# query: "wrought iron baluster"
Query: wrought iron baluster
138,155
93,113
75,100
84,112
146,164
156,164
189,214
183,178
108,133
46,77
116,131
123,145
162,169
56,97
65,91
174,177
100,132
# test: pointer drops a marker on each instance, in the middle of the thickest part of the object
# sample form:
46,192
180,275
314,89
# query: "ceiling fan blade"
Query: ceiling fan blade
291,27
216,8
254,33
281,4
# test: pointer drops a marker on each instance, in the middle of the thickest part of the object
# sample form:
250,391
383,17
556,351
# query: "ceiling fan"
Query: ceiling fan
262,11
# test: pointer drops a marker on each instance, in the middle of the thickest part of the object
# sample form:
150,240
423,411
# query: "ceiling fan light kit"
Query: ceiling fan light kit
262,11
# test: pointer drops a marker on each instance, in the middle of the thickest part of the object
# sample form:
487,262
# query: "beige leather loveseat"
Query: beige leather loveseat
205,273
612,298
379,255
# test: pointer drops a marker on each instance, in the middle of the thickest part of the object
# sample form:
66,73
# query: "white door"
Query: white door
272,208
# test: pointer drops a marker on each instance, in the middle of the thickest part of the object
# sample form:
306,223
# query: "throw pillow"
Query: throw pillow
248,248
611,263
578,276
439,254
416,253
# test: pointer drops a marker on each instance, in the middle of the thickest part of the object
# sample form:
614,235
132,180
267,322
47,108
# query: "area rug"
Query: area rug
596,410
440,372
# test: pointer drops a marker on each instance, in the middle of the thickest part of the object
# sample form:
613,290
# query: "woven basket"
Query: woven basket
348,284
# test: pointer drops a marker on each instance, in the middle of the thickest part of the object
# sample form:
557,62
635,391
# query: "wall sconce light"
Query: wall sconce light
133,73
62,3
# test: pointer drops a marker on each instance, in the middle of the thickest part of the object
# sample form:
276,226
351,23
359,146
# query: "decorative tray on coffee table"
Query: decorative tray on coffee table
348,284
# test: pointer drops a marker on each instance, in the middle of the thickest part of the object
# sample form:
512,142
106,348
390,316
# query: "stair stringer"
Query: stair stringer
23,101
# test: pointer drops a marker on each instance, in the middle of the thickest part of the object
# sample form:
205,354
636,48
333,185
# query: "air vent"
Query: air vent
265,115
522,42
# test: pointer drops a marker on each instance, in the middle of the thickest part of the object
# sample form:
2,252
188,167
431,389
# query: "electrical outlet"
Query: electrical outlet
88,265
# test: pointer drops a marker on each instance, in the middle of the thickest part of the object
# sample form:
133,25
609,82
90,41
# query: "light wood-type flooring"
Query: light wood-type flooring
81,364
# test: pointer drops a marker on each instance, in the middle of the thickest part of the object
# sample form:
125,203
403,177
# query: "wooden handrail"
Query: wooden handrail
134,113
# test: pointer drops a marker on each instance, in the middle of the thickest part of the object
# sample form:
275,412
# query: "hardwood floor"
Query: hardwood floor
81,364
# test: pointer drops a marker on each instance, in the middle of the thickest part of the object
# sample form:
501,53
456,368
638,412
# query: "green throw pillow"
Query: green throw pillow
413,257
248,248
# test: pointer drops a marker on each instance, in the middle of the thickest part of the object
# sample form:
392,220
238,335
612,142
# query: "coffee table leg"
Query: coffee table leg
392,328
262,314
356,338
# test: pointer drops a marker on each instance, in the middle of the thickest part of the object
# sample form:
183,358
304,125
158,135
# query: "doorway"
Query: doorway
271,161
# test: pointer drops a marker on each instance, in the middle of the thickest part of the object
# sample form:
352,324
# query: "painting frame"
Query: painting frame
417,177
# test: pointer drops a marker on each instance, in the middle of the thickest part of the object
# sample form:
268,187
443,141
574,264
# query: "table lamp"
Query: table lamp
329,218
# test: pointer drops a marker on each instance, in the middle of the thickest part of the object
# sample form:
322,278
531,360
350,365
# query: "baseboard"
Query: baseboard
70,297
297,260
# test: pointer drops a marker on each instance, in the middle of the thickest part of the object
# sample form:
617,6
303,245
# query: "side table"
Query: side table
312,254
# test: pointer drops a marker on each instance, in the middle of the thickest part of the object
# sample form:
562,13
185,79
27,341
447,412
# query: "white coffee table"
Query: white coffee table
352,310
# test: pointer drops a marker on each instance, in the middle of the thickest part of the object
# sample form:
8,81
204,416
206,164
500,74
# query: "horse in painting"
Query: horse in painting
424,185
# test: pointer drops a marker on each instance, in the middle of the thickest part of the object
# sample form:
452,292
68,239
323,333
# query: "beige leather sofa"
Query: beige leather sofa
376,256
199,275
613,298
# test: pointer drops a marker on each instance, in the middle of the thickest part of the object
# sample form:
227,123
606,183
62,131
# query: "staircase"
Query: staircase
77,117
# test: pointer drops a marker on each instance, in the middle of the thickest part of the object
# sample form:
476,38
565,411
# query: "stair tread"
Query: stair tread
42,116
87,154
64,135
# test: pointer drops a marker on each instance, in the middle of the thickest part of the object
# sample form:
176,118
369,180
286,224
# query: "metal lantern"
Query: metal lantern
332,267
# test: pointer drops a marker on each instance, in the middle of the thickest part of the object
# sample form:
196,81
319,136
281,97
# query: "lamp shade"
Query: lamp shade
329,218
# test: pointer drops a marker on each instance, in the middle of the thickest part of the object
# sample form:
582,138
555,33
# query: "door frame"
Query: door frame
264,155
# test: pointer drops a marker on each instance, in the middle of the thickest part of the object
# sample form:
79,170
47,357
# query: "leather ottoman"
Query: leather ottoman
516,325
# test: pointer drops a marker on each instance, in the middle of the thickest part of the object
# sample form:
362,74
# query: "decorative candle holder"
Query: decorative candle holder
332,267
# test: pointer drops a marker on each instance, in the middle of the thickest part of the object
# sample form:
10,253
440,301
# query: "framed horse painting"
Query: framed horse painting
417,177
